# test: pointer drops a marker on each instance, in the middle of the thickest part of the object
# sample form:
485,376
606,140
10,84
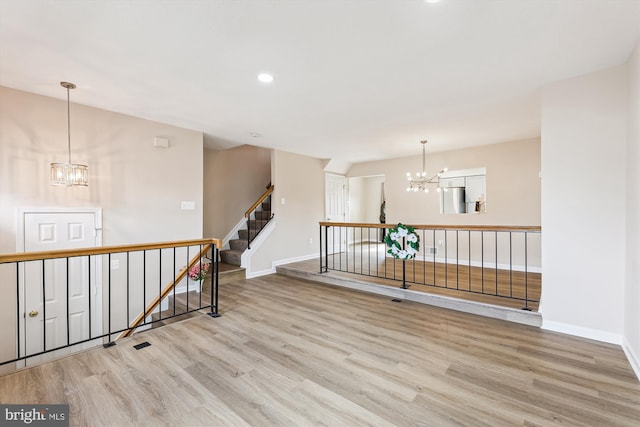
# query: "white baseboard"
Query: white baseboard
296,259
632,357
274,264
254,274
579,331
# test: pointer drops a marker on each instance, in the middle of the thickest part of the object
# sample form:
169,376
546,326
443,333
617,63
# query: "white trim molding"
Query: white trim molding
634,359
579,331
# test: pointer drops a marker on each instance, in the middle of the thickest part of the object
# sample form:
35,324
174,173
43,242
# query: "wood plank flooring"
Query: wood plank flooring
289,352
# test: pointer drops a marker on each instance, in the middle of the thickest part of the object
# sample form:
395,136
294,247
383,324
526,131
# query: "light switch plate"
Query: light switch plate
188,206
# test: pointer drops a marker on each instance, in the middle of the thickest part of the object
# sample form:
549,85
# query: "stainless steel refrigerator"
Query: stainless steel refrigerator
453,201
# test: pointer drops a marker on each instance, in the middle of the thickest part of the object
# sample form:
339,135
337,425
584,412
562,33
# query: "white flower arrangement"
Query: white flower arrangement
394,240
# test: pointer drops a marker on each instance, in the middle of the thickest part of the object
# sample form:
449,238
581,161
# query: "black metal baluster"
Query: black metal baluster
159,285
201,283
526,273
89,285
67,301
446,261
434,256
175,284
482,257
214,284
469,250
128,292
144,286
109,343
510,264
495,233
424,258
18,309
44,310
320,247
457,260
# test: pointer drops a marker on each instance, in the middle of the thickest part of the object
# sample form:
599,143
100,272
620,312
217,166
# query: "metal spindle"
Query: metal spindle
482,258
89,291
109,300
144,284
128,291
44,309
457,260
67,304
18,307
495,233
510,264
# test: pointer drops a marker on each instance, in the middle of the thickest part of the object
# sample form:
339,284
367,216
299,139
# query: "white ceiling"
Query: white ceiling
355,80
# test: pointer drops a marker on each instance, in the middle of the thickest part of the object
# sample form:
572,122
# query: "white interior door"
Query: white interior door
335,207
60,295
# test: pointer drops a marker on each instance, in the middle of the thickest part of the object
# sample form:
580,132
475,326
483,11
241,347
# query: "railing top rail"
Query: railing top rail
33,256
531,228
260,200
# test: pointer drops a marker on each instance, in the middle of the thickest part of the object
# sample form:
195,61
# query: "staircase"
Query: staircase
233,255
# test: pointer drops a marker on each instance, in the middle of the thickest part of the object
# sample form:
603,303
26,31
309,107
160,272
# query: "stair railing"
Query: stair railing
500,261
114,282
259,224
196,262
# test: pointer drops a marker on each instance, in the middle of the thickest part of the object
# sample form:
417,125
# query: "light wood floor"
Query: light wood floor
294,353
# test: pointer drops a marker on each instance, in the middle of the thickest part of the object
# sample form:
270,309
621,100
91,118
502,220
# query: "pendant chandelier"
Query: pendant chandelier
420,181
69,174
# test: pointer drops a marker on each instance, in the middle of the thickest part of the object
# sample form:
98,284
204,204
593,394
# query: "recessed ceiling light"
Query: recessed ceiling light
255,134
432,1
265,78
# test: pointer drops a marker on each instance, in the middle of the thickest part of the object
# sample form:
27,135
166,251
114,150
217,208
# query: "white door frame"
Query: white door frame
20,246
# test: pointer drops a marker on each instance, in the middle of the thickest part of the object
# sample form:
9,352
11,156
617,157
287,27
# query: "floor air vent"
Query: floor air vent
141,345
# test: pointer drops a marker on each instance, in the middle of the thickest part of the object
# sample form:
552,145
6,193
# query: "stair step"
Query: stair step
256,224
243,233
238,244
231,256
263,215
266,206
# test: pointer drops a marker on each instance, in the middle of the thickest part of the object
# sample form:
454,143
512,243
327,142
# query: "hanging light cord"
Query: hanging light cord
68,125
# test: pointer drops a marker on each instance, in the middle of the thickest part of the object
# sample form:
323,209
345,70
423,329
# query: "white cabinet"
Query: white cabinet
458,181
475,191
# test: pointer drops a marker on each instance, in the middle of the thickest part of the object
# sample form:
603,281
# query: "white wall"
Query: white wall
632,285
584,126
365,198
299,180
138,187
513,184
233,180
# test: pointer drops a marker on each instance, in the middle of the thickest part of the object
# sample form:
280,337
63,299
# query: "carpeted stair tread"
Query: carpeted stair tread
231,256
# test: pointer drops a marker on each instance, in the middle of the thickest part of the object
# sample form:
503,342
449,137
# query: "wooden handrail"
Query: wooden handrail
166,291
532,228
260,200
36,256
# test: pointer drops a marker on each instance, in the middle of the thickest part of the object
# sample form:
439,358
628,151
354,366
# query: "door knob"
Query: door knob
33,313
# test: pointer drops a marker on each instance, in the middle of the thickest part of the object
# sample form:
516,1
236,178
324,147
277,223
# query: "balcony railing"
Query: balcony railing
63,301
500,261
